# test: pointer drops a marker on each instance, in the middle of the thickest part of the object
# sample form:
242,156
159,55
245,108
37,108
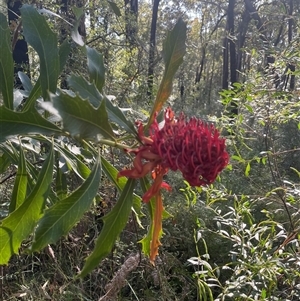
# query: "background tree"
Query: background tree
20,48
152,47
251,212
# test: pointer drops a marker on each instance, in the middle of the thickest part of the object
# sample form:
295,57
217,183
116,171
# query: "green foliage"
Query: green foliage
60,218
80,118
173,50
22,123
69,128
35,30
19,224
113,223
20,187
235,240
96,67
6,64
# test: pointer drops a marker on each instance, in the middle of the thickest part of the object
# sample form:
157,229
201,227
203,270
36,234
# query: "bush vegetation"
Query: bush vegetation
71,230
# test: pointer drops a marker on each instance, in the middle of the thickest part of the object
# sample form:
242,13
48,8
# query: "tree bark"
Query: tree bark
229,56
152,47
20,47
233,69
131,19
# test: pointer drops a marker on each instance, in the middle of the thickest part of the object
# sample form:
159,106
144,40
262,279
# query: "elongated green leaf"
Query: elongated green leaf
26,82
89,91
22,123
36,91
146,241
247,170
39,35
20,223
4,161
6,64
64,51
74,162
20,187
111,172
115,8
113,223
77,38
173,52
80,118
12,154
62,216
96,67
61,183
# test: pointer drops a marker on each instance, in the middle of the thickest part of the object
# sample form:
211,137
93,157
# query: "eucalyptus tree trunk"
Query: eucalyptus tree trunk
131,18
152,48
19,45
229,56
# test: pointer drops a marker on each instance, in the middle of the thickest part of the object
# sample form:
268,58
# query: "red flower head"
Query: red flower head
193,147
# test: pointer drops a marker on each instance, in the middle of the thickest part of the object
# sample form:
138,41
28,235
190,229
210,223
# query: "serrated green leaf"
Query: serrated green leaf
23,123
6,64
80,118
85,89
116,115
96,67
20,186
36,91
89,91
247,170
173,52
59,219
113,223
115,8
39,35
19,224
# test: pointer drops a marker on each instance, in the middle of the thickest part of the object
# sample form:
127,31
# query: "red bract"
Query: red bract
193,147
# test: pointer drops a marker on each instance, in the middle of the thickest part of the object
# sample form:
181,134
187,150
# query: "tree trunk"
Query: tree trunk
20,48
292,66
200,67
152,48
230,16
241,40
67,14
230,52
131,19
225,72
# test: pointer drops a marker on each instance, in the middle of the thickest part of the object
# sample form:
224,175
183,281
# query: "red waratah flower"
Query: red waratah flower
193,147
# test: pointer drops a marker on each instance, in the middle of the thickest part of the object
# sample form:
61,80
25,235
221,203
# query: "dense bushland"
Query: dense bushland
71,229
